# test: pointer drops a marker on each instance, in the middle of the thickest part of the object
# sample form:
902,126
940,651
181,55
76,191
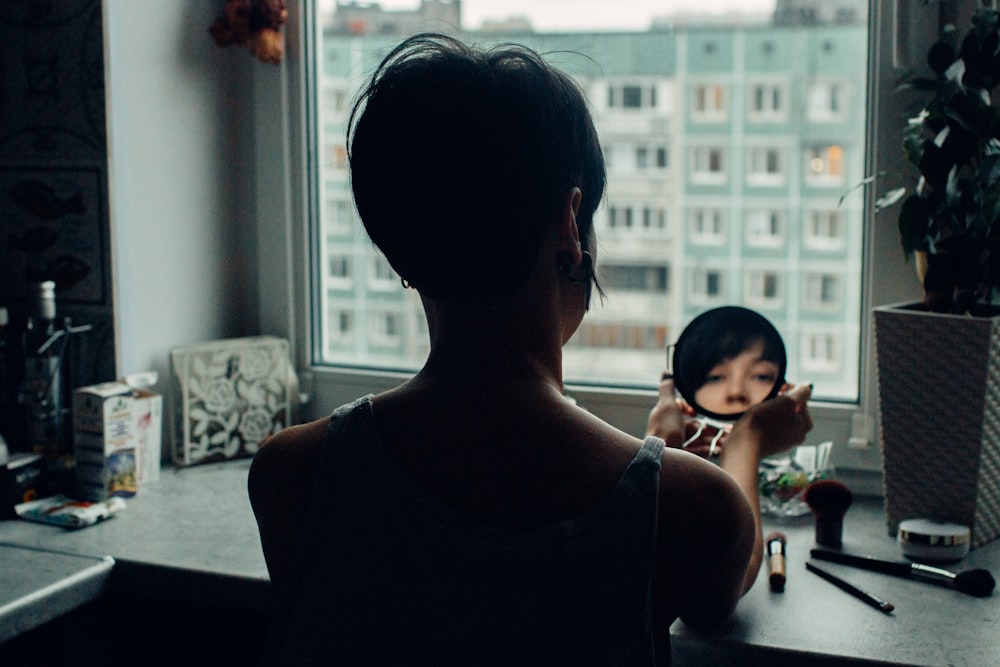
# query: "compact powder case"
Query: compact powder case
927,539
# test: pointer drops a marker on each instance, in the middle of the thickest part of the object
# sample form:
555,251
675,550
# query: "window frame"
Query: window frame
285,262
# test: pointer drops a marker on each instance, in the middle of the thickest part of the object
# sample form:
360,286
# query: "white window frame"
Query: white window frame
774,98
755,283
707,226
766,166
702,158
698,286
709,102
765,227
285,296
822,94
817,228
818,161
827,363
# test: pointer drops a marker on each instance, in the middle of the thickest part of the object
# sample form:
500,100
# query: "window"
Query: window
821,352
765,228
825,230
650,157
636,277
765,166
822,291
825,165
707,226
827,101
706,286
708,165
708,103
385,329
340,322
339,271
767,103
817,172
631,96
381,276
763,288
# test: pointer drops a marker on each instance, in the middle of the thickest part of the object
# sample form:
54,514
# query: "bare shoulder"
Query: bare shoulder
280,486
288,455
706,533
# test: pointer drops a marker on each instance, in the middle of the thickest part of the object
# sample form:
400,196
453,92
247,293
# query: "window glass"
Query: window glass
744,126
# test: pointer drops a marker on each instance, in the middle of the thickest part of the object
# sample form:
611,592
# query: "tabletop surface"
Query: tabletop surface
194,530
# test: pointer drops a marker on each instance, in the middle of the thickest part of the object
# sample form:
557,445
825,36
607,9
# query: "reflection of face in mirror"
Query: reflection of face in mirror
728,359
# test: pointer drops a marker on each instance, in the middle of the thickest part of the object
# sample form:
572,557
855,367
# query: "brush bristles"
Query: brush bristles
979,583
828,497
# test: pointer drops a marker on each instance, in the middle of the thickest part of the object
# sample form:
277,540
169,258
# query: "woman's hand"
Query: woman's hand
778,424
667,418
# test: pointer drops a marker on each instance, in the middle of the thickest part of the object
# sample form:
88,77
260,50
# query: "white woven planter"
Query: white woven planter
939,398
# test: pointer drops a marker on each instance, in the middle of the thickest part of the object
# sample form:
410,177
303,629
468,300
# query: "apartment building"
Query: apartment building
729,150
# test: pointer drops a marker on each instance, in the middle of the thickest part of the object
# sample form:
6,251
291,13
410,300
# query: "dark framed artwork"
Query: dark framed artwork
52,227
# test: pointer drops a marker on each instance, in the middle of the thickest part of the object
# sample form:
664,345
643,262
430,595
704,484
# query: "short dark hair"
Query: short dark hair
719,334
461,159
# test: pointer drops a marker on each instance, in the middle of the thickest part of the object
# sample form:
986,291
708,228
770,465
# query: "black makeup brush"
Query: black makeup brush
829,499
979,583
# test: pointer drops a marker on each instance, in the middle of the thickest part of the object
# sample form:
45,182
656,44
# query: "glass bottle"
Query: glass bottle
41,391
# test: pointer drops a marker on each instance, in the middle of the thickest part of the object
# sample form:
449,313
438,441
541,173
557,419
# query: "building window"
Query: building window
765,166
654,218
708,165
827,102
708,103
620,217
636,278
825,230
707,226
631,96
763,288
825,165
706,285
765,228
338,218
385,329
822,292
821,352
767,103
339,271
340,322
650,158
381,276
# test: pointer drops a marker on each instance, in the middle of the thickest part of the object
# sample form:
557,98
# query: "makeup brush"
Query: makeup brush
774,548
978,583
829,499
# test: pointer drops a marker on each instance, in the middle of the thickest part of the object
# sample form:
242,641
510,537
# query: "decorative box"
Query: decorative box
228,395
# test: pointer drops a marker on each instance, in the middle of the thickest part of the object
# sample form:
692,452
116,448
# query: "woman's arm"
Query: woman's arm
771,427
710,545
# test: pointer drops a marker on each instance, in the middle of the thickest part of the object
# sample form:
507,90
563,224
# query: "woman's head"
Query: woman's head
728,359
461,160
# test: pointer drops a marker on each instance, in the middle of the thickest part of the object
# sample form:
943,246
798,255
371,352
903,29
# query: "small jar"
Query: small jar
929,540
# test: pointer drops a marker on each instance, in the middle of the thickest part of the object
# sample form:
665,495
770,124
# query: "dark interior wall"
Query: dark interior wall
54,177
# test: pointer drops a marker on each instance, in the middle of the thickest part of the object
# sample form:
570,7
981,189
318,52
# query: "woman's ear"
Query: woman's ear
568,233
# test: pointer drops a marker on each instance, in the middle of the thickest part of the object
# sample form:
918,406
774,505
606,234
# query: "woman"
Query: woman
474,515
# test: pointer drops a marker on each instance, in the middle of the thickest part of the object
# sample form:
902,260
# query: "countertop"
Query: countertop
192,536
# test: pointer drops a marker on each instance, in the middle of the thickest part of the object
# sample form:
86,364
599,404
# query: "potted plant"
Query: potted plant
939,359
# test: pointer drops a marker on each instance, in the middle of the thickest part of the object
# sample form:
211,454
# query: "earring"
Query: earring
586,265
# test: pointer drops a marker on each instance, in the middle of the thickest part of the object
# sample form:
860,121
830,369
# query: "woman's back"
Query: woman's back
387,573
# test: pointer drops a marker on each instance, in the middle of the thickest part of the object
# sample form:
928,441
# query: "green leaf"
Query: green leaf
889,198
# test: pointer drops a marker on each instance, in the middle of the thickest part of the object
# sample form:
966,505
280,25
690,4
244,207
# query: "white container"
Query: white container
927,539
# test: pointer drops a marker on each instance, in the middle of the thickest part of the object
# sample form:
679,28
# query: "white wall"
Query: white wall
180,151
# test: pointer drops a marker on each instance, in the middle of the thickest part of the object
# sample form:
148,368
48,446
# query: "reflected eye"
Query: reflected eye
713,378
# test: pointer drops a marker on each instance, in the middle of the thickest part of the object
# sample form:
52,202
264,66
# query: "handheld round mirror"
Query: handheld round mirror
726,360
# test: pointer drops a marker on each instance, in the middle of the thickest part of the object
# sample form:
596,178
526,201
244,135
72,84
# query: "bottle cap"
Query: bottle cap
45,301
